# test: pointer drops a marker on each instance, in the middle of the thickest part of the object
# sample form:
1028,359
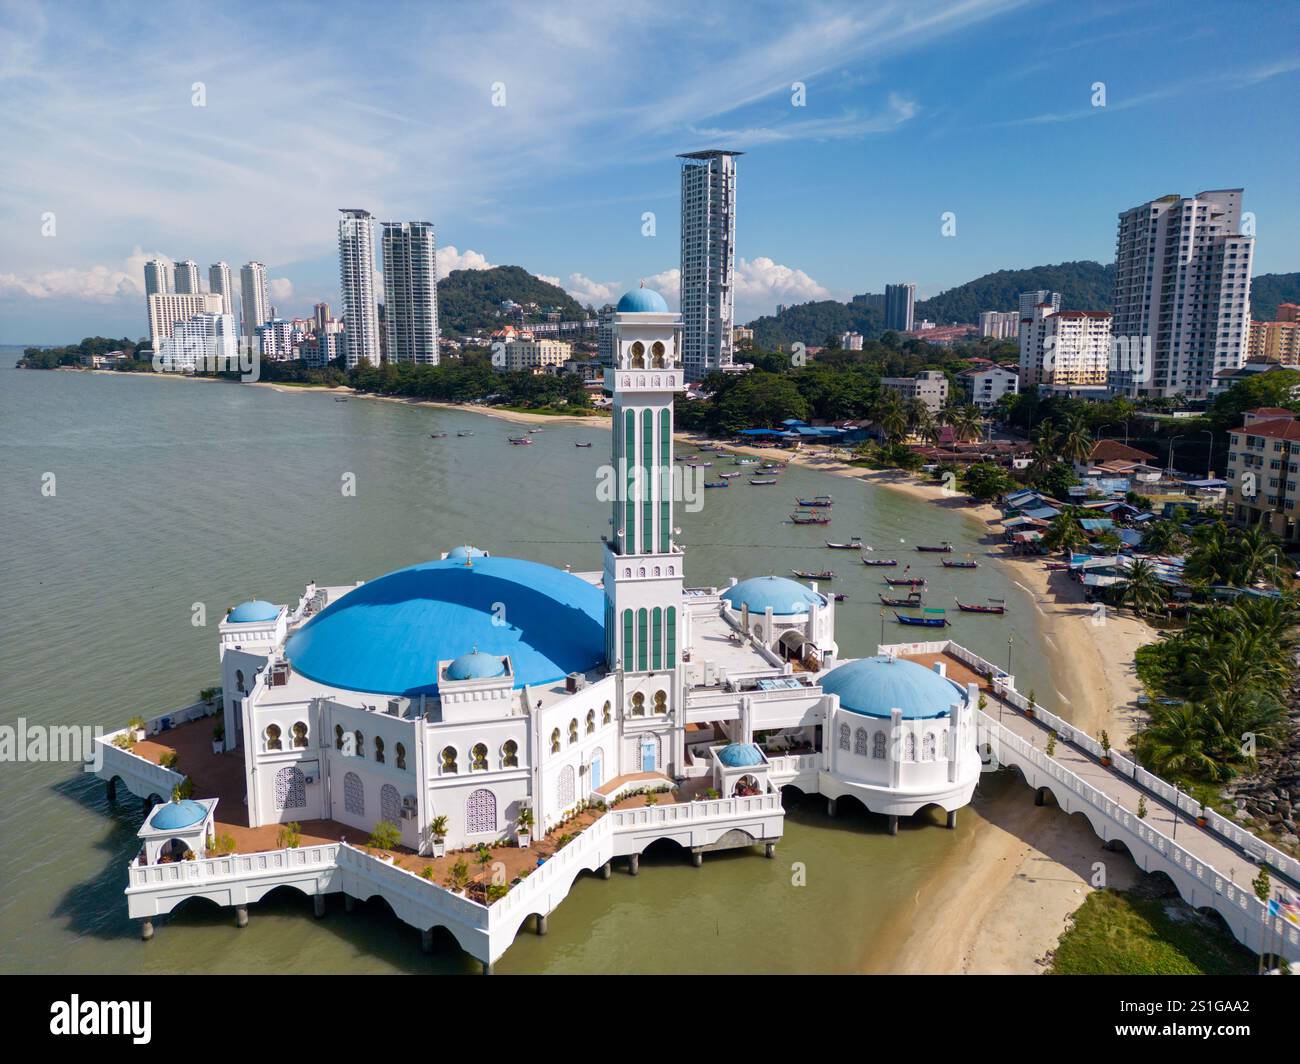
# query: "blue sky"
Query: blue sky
913,108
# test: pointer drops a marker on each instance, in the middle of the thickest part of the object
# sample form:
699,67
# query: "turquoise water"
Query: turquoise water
171,493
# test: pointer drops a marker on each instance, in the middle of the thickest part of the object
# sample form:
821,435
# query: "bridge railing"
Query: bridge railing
233,866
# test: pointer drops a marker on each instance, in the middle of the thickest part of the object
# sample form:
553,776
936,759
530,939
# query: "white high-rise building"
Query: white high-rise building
357,286
1000,324
186,278
255,297
1041,297
157,278
278,339
219,284
166,310
1064,348
410,292
900,303
708,261
205,340
1182,294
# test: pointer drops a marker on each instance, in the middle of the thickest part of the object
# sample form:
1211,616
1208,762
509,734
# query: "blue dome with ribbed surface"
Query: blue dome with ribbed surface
785,596
875,686
253,610
476,666
740,755
387,636
466,552
642,301
176,815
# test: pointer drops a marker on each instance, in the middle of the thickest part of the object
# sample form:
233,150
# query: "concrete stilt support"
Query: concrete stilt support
112,789
146,805
633,863
539,924
426,940
241,915
349,902
146,929
697,858
1039,796
487,967
893,825
830,806
769,849
605,870
318,905
952,819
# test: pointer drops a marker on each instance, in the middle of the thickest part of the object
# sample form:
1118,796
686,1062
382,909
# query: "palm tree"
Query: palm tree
1173,743
1142,589
890,417
1076,441
1258,556
1064,534
1164,537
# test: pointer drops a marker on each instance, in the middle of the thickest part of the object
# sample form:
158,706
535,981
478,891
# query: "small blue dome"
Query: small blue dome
642,301
785,596
176,815
253,610
740,755
873,687
466,552
476,666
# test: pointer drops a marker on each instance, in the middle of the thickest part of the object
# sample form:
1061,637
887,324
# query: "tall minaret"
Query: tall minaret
643,566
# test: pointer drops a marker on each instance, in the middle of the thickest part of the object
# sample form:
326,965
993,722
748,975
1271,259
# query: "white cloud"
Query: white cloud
668,284
763,281
281,290
449,258
593,293
99,284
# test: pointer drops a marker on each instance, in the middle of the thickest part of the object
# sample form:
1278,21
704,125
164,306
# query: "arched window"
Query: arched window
878,742
359,743
290,788
909,746
273,737
573,730
239,680
299,735
638,704
661,702
591,721
449,760
944,744
338,736
379,750
399,755
657,355
566,787
638,355
860,742
510,754
478,758
390,804
605,713
927,747
354,795
555,741
844,737
481,811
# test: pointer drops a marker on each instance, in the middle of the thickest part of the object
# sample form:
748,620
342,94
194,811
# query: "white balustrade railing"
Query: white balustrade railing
207,870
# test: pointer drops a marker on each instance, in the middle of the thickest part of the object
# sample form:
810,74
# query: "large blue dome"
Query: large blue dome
875,686
642,301
784,595
253,610
388,635
176,815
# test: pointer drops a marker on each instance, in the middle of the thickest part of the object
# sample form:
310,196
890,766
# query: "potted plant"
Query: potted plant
1201,818
523,826
1051,744
1142,806
208,696
438,829
459,878
386,836
136,727
218,738
1105,749
1029,709
168,759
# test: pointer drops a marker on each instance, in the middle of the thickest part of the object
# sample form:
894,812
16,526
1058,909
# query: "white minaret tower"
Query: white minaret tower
643,566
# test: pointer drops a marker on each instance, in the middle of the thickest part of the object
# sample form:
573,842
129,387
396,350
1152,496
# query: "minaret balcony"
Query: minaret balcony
626,381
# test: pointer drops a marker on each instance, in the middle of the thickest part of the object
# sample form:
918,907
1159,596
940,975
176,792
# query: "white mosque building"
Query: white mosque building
465,690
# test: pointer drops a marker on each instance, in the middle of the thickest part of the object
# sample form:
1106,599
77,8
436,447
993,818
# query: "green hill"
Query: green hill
1268,290
1083,285
470,300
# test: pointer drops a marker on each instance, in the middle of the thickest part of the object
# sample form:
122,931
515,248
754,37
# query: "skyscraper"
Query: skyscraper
900,299
357,286
186,278
1039,298
219,284
1182,294
321,312
157,278
168,308
708,260
410,292
255,297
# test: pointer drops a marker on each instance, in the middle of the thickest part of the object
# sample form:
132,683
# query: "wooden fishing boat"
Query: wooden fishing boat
805,574
931,621
913,600
582,445
746,461
521,440
971,564
471,434
942,548
838,596
816,501
906,581
800,517
994,606
436,435
854,543
728,476
717,484
761,481
337,399
879,561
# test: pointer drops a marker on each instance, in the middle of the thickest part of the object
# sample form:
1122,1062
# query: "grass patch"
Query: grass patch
1119,933
551,411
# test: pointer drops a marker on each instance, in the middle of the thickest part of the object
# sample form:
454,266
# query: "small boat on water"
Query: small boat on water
536,430
808,517
838,596
436,435
805,574
879,561
746,461
906,581
942,548
968,564
912,601
522,440
762,480
582,445
465,434
854,543
816,501
717,484
728,476
994,606
930,619
337,399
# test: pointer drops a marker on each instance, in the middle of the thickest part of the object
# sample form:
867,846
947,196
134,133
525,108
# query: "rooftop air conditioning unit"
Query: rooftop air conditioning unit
397,706
575,681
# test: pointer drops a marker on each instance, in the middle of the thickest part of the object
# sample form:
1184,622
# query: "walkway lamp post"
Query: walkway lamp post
1209,460
882,626
1169,463
1003,700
